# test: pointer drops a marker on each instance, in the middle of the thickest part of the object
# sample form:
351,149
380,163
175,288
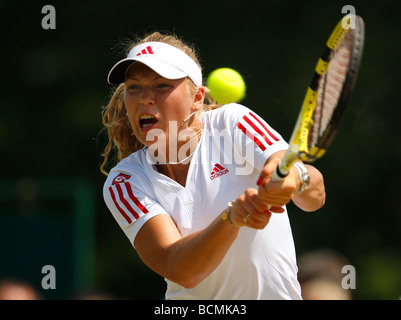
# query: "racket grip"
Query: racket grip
278,175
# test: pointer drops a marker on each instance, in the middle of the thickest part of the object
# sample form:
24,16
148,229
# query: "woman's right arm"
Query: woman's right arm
188,260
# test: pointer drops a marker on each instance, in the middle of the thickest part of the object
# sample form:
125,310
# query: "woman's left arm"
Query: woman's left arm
314,197
278,193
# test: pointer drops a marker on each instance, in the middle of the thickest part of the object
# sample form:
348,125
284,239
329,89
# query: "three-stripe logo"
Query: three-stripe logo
256,130
147,50
124,199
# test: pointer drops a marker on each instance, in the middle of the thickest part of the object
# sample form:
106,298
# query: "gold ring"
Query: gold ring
246,218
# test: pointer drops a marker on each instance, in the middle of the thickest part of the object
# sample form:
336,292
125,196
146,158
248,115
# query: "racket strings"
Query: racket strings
329,88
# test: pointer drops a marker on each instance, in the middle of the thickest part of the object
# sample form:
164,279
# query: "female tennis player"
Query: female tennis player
193,187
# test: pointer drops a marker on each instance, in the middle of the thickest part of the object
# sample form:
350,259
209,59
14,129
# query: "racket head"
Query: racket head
328,95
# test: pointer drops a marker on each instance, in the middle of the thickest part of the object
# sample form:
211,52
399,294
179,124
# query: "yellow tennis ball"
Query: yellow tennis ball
226,85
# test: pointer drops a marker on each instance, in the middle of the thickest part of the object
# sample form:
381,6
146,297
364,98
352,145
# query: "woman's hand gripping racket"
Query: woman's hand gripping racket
327,97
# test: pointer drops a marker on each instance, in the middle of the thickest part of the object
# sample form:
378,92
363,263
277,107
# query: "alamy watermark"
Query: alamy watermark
49,280
348,21
179,146
349,280
49,20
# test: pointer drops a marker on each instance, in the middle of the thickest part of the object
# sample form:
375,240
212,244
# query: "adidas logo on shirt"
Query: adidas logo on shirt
218,171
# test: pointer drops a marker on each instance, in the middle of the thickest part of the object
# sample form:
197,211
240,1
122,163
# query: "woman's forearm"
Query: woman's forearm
314,197
193,258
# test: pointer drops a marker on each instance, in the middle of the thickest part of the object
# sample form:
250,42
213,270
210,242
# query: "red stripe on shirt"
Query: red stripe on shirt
264,127
133,198
125,202
113,196
257,129
251,136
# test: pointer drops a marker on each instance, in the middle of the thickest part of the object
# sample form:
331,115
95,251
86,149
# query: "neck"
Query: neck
177,170
186,160
179,148
177,173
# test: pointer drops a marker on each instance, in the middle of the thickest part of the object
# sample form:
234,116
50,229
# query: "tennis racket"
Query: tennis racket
327,97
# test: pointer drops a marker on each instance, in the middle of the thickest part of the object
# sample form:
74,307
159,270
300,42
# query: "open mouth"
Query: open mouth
147,121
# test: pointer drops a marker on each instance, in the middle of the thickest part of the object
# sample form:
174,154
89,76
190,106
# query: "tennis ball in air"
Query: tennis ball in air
226,85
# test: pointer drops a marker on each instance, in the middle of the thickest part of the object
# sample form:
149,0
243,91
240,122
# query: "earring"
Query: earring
187,118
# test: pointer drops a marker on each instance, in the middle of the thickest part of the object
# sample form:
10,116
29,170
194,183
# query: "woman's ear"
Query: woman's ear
199,98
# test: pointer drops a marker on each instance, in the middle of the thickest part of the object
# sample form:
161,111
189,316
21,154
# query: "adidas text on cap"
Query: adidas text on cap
166,60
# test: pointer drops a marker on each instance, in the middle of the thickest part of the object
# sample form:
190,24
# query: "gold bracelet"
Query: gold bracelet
226,214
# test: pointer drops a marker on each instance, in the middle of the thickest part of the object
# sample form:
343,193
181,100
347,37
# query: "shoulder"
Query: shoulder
226,116
130,168
127,190
236,116
129,194
228,110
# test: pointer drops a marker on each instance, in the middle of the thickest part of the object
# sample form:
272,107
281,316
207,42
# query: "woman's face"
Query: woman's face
154,102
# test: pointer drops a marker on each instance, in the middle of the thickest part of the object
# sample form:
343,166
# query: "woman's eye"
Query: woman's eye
163,86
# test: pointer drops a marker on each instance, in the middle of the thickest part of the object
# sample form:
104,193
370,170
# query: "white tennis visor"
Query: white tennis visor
164,59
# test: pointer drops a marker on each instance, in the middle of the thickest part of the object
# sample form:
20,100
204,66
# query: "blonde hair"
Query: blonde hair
121,140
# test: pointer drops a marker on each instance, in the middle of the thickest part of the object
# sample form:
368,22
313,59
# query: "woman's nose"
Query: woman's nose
147,97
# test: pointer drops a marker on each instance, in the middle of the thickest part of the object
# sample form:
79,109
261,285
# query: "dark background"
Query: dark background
53,88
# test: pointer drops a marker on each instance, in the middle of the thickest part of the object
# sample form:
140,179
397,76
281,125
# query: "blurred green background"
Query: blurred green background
53,87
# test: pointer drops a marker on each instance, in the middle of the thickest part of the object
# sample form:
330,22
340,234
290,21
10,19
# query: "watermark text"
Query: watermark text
49,20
